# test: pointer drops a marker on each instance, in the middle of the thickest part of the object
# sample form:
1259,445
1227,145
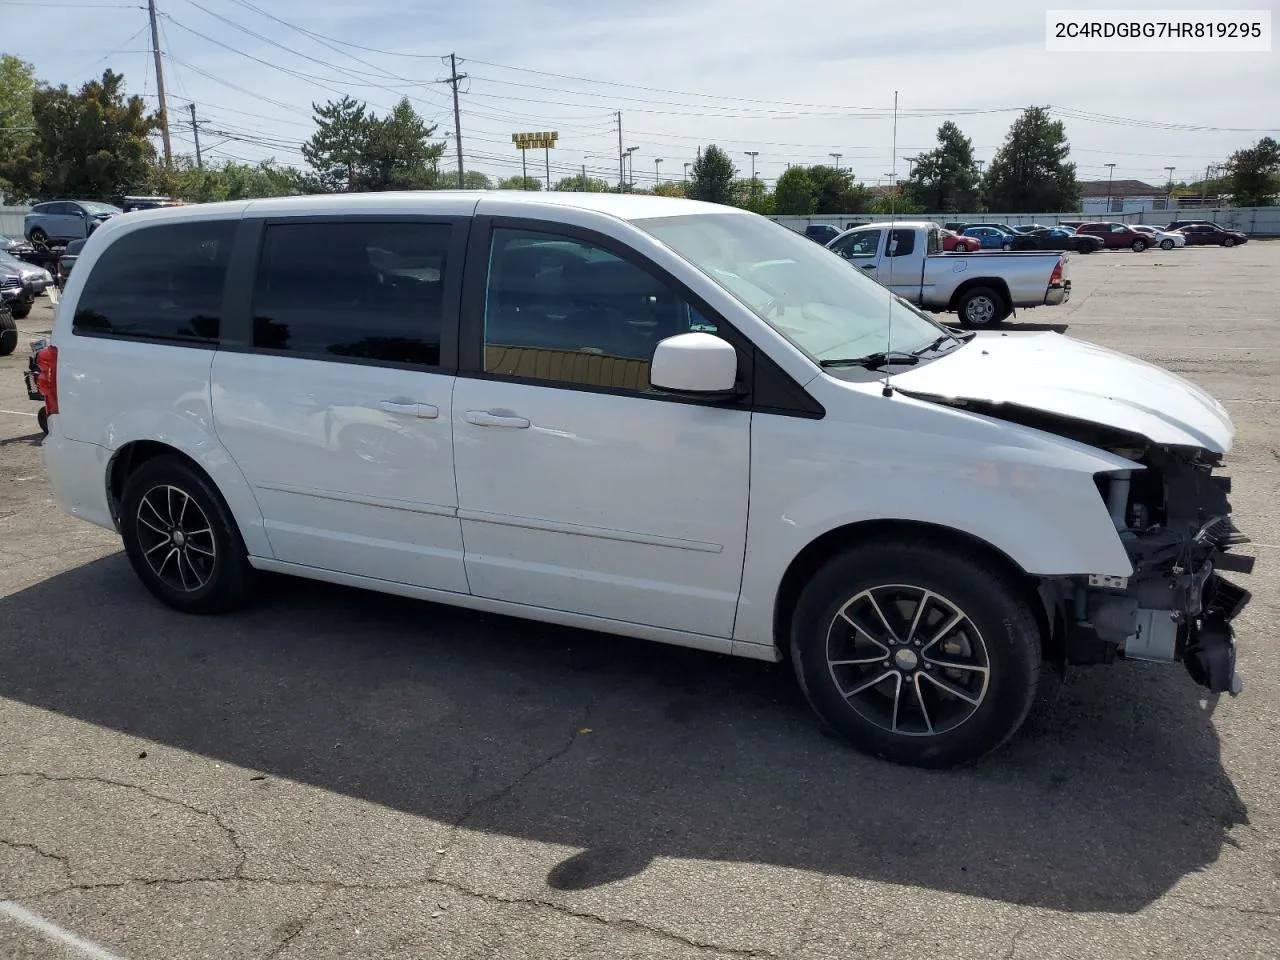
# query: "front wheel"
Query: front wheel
981,307
1166,244
916,653
38,236
181,539
1229,241
1139,245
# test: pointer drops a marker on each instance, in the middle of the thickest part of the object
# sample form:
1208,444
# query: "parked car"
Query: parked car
822,233
907,257
990,238
68,259
1064,238
66,219
1199,234
130,204
24,281
1179,224
1164,239
1073,224
16,246
952,241
915,517
1025,228
1116,236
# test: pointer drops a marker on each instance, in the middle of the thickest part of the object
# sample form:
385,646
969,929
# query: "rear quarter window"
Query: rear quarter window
159,283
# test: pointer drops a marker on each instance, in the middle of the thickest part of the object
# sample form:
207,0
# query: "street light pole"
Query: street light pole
657,177
686,171
630,167
837,156
1111,169
1168,190
752,154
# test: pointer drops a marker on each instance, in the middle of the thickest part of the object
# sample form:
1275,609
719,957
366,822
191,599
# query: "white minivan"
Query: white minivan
644,416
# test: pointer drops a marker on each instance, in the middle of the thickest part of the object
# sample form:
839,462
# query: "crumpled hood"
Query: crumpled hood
1082,381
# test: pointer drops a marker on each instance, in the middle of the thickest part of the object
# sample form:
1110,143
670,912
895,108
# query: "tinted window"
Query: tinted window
901,242
373,291
161,282
864,243
572,312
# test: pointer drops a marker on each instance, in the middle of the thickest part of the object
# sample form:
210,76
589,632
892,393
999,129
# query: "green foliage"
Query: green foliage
583,184
754,196
945,179
899,205
229,181
354,150
820,189
712,176
91,144
1031,172
520,183
17,91
1253,174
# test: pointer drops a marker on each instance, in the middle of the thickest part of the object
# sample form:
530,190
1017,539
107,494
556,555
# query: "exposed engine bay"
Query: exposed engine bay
1173,517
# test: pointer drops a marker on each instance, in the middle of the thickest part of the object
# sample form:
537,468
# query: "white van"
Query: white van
643,416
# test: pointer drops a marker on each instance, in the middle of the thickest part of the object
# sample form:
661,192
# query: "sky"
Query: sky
793,80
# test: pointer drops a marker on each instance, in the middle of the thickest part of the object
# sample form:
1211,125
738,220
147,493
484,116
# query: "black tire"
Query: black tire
1138,246
21,308
1166,244
37,235
42,418
981,307
1228,241
1001,619
8,331
219,585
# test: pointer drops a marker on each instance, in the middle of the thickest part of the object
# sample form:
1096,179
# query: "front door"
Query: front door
580,488
339,413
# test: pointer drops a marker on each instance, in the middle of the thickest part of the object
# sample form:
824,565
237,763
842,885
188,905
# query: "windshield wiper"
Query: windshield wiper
873,361
936,345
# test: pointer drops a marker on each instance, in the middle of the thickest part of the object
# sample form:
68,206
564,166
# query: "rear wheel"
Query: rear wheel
981,307
181,539
21,308
962,248
916,653
42,418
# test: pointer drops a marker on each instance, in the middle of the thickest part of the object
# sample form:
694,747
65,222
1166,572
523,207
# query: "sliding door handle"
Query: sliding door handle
483,418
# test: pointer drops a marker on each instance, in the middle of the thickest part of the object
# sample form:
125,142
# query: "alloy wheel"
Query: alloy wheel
176,538
908,660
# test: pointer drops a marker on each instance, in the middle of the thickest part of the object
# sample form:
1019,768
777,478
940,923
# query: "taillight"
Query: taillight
1055,278
47,378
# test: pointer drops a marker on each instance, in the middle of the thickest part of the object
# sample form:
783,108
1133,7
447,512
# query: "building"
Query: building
1127,196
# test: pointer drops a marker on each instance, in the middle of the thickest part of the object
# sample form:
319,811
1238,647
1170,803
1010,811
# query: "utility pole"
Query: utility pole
454,78
195,130
621,175
837,156
1168,190
686,171
164,110
1111,169
657,178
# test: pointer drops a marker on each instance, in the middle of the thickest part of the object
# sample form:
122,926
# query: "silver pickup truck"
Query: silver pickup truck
907,256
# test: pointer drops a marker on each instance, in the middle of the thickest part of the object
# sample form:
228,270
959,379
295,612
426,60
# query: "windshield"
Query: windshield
824,306
94,207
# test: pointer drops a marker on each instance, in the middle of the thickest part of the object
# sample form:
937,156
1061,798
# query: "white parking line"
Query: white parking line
48,928
21,413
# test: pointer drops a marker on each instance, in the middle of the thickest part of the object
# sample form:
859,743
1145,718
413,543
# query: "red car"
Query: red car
952,241
1117,236
1202,233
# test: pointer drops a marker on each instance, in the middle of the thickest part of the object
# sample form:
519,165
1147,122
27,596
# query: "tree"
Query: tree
94,143
945,179
398,153
230,181
520,183
1030,172
17,91
896,205
753,195
803,191
669,188
583,184
335,150
712,177
795,193
1253,174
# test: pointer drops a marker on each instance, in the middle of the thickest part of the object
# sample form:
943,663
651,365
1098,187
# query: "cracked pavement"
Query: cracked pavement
336,774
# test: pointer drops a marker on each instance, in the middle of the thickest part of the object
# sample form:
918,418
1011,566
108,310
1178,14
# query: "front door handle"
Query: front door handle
402,408
868,266
483,418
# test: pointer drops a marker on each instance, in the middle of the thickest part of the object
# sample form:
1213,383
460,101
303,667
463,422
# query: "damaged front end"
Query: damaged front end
1174,519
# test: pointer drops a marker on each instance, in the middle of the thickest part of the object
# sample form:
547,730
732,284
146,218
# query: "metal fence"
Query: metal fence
1255,221
11,220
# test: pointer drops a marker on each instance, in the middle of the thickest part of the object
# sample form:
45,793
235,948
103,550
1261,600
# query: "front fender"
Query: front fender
1029,495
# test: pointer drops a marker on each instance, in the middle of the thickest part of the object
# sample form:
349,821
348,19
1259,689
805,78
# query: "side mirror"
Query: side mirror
695,364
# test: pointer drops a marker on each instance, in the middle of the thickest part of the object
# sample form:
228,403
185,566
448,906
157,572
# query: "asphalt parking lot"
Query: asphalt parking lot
335,774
